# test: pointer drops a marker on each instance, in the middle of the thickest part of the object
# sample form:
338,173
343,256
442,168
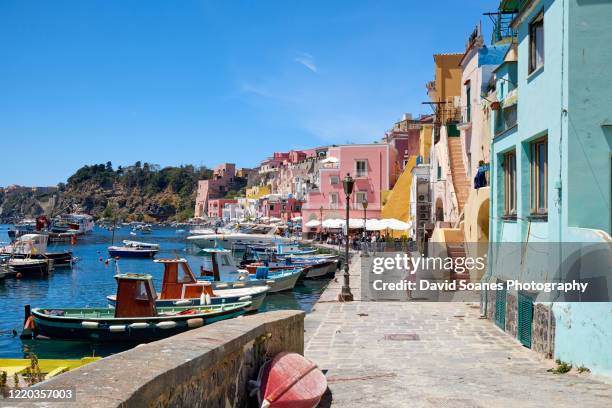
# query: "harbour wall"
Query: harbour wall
207,367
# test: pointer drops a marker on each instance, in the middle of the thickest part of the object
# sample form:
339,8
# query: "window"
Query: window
141,291
510,184
271,207
536,43
539,176
468,108
359,197
439,172
333,199
334,180
361,168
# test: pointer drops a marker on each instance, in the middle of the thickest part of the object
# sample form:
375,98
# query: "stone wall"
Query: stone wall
539,330
205,367
511,315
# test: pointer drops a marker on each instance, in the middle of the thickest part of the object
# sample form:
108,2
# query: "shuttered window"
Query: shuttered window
525,318
500,308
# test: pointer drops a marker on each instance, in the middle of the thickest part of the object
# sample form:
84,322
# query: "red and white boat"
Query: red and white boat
290,381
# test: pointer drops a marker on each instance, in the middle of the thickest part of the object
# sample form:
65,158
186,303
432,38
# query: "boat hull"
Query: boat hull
145,253
122,329
231,242
38,269
256,301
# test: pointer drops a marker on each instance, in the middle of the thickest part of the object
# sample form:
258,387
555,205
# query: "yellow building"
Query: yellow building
256,192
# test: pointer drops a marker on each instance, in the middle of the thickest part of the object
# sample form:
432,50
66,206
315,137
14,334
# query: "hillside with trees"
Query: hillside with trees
142,191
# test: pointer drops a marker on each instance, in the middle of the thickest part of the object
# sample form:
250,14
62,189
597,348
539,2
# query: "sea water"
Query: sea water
91,279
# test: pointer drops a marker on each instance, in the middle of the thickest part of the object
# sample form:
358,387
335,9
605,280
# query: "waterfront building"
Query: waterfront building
224,180
216,205
371,165
551,176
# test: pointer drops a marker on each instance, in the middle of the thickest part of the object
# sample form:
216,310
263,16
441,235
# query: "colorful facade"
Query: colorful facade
551,175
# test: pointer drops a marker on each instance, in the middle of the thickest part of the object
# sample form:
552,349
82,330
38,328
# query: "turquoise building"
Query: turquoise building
551,177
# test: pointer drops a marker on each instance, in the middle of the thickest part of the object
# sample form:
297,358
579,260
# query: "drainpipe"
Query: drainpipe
558,185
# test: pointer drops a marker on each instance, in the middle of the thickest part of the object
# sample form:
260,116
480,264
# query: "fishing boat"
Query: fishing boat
81,223
135,317
243,235
289,381
181,288
34,246
28,267
49,368
133,249
220,268
21,228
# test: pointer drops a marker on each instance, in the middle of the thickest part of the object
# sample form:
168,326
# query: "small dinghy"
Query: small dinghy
290,381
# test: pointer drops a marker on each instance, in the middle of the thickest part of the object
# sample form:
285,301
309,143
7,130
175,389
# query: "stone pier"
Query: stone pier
422,354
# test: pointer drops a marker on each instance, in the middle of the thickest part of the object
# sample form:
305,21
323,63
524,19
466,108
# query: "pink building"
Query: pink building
215,206
273,206
224,179
372,167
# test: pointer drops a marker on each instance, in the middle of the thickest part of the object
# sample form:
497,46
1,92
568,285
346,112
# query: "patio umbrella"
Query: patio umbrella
395,224
333,223
312,223
374,225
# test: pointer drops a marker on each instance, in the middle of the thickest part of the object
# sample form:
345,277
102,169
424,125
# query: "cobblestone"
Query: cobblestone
423,354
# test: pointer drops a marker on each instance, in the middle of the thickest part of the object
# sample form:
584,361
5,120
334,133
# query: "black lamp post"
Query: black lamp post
320,223
345,294
364,203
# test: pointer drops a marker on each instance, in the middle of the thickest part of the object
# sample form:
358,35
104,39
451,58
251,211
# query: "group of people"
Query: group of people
356,240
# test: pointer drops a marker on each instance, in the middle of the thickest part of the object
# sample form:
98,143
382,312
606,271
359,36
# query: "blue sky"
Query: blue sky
199,82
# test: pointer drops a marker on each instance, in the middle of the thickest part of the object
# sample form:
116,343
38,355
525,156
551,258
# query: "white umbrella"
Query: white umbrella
333,223
330,160
274,219
374,225
298,218
312,223
394,224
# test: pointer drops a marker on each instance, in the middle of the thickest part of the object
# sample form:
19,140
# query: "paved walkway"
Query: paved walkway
409,354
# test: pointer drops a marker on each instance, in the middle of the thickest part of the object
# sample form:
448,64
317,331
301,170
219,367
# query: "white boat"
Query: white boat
82,223
243,236
220,268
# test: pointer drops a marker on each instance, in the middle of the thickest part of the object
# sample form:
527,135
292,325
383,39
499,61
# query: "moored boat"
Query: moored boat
181,288
221,268
133,249
49,368
34,246
135,317
28,267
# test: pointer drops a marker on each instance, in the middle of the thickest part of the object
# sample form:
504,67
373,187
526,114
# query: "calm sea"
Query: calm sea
89,282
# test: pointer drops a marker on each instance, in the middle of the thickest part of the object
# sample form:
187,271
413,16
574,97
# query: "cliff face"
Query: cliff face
138,192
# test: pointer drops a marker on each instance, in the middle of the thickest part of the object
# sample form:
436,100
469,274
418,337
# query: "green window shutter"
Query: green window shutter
439,172
500,308
452,131
525,318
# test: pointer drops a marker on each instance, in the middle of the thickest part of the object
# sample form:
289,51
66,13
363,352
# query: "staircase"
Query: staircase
460,180
457,250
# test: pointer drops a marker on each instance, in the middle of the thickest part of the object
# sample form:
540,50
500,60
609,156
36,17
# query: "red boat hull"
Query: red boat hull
291,381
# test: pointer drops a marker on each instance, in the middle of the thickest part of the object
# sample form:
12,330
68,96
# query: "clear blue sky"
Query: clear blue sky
199,82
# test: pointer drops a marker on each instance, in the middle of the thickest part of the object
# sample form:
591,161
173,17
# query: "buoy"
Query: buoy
18,276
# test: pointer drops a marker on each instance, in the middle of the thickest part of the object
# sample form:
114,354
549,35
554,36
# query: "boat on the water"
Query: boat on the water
135,317
133,249
220,268
246,234
29,268
289,381
49,368
81,223
34,246
181,288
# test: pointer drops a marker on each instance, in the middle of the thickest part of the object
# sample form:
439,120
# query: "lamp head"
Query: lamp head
364,203
348,184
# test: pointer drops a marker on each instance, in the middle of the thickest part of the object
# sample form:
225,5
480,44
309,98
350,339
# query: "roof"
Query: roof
134,276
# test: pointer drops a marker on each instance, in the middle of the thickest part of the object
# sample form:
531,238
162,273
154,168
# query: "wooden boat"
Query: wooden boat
27,267
290,381
220,268
181,288
134,319
34,246
313,267
133,249
49,368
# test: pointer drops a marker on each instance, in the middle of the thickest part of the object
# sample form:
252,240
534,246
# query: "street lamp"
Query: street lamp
321,224
345,294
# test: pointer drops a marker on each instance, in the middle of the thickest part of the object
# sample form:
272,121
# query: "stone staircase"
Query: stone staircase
460,179
457,250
